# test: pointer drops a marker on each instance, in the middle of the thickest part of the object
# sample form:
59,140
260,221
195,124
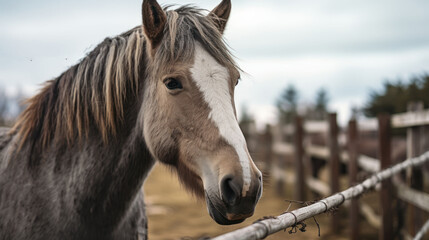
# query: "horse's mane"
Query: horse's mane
93,91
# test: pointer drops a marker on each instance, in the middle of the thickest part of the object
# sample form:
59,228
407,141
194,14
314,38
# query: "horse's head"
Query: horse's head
187,113
189,117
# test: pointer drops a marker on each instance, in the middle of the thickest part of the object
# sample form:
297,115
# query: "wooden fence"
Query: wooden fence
342,148
261,229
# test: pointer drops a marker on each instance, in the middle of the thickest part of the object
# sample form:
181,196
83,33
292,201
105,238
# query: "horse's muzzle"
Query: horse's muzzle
228,206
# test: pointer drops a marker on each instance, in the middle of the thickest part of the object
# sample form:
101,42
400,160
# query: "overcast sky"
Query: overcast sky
347,47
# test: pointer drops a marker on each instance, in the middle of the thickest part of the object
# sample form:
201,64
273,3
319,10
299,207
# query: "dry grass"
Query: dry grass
174,214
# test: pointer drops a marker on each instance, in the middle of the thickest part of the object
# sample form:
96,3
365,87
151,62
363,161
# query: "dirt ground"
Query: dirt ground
175,214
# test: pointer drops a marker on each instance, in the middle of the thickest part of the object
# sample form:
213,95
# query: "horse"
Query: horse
74,163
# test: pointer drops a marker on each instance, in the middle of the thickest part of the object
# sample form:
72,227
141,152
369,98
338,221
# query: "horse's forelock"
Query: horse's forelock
185,26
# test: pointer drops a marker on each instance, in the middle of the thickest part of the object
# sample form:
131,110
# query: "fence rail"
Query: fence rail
263,228
417,198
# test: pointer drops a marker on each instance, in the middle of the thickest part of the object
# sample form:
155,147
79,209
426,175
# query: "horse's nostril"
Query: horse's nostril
230,191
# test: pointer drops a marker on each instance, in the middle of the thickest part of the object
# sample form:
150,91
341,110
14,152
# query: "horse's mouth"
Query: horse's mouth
218,216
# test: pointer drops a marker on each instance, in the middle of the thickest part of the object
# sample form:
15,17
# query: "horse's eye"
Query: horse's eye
172,83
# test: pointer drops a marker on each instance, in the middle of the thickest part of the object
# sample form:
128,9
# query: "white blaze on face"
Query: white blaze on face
213,80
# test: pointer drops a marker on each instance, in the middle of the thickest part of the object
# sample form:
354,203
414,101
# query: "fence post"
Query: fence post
299,159
267,139
384,138
415,143
353,150
334,164
279,163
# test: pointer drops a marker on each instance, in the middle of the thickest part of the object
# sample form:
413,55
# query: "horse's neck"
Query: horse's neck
120,176
103,178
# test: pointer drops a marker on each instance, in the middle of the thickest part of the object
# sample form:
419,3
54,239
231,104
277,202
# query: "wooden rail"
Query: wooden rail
416,198
318,186
410,119
369,214
401,120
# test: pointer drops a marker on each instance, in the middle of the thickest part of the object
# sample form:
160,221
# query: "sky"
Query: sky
348,48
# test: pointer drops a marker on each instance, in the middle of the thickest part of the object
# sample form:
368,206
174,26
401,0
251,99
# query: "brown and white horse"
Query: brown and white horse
74,164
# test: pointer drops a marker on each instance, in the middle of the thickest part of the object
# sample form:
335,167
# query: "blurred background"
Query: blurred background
348,49
300,58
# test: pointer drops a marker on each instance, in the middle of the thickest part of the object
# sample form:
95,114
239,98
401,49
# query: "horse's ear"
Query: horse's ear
154,20
221,14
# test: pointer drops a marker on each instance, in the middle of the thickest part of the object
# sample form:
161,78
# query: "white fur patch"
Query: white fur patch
213,81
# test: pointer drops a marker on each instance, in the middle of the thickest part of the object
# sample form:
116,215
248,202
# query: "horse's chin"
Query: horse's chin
218,214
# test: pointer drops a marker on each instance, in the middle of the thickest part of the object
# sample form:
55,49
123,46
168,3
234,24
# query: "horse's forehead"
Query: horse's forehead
206,69
213,81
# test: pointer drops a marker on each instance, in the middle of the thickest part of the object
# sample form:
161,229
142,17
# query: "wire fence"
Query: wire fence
263,228
422,231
